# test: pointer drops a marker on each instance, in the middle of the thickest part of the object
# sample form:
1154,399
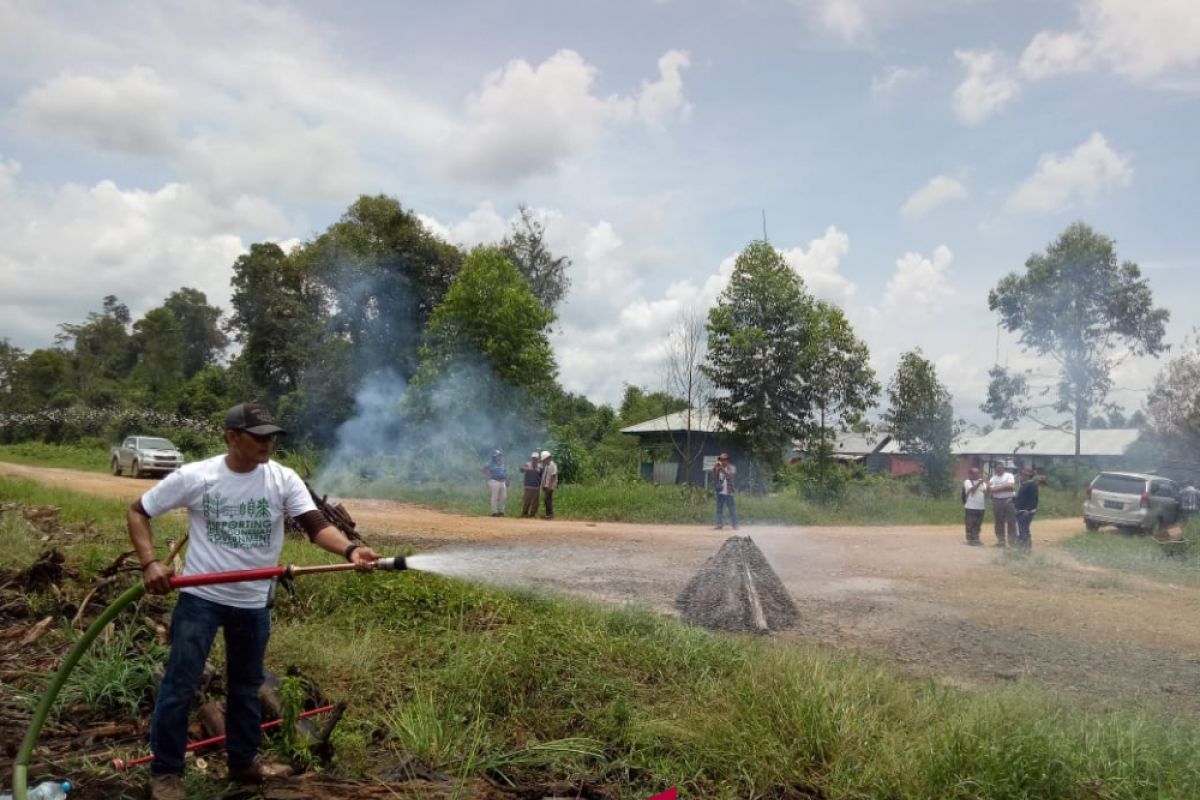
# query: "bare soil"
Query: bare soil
910,596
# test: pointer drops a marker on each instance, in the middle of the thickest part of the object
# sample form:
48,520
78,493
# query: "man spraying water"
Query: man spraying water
236,506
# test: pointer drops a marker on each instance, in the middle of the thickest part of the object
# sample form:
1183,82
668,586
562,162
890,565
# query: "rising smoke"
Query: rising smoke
435,432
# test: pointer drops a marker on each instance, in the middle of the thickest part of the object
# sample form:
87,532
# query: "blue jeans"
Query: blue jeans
726,501
194,625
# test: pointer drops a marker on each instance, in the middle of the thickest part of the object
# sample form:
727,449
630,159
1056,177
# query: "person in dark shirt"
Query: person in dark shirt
1026,504
533,485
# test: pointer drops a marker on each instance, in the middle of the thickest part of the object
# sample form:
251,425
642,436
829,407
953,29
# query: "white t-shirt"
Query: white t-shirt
975,501
235,521
1003,486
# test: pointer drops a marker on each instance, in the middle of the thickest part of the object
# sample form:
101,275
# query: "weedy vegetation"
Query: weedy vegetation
525,688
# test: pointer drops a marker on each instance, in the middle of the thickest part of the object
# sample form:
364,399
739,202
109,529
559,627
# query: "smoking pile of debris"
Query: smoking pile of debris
737,590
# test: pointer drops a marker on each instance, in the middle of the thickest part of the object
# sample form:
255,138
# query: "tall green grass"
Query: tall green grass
1138,554
92,456
525,688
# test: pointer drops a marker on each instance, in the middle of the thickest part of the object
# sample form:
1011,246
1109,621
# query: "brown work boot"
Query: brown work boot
167,787
260,770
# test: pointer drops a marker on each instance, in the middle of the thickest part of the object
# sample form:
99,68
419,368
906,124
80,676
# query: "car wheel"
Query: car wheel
1091,524
116,467
135,470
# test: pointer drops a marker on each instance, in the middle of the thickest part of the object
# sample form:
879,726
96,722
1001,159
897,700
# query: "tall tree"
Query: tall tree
1173,404
526,248
386,273
490,312
639,404
158,340
200,325
839,371
921,419
43,379
100,345
277,317
11,357
684,379
757,334
1079,305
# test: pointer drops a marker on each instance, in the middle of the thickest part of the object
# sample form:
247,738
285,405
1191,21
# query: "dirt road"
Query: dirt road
912,596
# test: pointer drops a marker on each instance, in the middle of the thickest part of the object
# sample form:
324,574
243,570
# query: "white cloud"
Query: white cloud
987,87
919,282
1139,39
1060,182
134,112
1056,53
895,78
61,251
846,18
819,265
662,100
940,189
525,119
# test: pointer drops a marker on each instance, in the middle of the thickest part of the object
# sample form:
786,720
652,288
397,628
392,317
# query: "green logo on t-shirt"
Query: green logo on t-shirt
240,527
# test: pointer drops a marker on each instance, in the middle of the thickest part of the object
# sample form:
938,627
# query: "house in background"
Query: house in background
662,440
878,453
1101,448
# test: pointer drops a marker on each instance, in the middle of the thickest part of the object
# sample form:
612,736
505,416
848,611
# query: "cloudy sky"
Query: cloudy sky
905,153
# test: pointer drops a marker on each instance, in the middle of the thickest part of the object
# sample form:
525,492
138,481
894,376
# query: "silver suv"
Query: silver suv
145,455
1131,501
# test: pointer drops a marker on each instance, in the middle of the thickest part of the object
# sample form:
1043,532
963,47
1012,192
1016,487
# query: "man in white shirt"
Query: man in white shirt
1002,488
974,494
549,482
236,504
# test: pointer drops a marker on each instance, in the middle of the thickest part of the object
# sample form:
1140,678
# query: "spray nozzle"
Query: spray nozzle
395,563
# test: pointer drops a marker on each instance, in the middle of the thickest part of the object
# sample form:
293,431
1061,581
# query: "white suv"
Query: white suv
1131,501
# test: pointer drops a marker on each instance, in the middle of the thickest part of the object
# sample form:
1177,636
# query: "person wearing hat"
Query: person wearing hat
549,482
724,475
533,484
497,477
974,492
1002,488
236,505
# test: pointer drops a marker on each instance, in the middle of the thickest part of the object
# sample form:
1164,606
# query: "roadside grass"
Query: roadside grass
874,502
527,688
91,456
1032,566
1137,554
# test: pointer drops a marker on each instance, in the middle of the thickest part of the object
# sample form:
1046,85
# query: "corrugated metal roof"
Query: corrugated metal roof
1049,442
858,444
702,421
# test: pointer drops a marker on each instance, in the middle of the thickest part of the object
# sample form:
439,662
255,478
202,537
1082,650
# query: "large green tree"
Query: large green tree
839,371
920,417
200,326
757,336
490,312
386,273
278,316
1077,304
101,349
158,340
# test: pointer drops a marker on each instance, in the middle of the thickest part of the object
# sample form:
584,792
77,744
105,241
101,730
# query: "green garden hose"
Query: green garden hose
21,765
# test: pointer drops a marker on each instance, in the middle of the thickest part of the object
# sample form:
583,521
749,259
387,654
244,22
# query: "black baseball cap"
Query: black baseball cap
252,418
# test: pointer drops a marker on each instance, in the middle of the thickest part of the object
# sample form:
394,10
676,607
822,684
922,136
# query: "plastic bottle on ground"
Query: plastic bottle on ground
46,790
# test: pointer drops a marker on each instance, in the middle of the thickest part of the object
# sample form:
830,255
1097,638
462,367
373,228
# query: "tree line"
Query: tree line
377,290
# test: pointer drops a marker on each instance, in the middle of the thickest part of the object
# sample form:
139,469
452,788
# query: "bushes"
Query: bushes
78,426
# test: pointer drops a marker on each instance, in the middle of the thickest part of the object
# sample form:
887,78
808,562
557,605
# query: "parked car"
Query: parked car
1131,501
145,455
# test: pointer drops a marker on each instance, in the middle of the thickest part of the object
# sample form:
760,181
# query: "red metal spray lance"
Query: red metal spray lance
284,573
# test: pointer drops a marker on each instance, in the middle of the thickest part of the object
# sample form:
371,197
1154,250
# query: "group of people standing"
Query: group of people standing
539,476
1014,504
